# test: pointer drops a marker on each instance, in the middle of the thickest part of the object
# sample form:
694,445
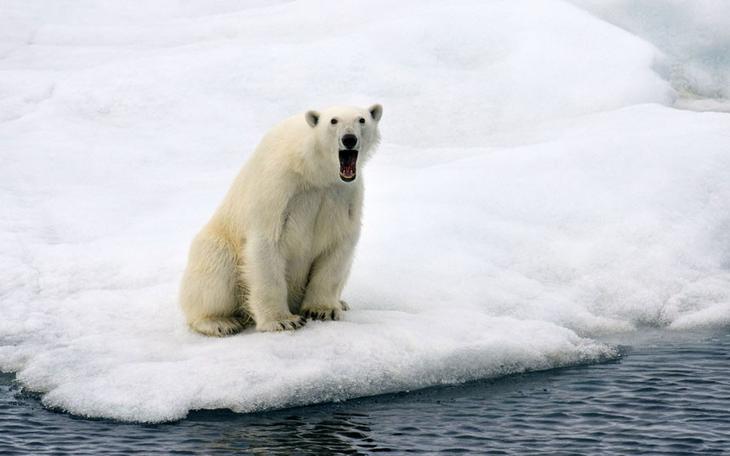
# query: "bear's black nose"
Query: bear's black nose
349,141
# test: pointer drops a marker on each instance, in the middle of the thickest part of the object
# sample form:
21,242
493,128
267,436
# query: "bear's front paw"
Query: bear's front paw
322,313
292,322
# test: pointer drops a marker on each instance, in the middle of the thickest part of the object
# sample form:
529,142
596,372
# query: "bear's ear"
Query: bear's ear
312,118
376,111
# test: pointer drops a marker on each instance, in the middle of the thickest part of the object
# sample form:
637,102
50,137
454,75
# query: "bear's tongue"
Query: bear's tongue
348,162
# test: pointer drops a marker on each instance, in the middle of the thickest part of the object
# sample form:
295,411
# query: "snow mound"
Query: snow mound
534,192
693,35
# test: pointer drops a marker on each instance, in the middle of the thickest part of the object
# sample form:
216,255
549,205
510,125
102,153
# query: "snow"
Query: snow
693,36
537,189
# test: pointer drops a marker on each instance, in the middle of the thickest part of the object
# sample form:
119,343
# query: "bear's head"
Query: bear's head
345,137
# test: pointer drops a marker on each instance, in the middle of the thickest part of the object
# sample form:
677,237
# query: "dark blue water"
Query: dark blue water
668,394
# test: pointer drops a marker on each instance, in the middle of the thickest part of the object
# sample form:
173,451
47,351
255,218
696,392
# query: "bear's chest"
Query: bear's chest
317,219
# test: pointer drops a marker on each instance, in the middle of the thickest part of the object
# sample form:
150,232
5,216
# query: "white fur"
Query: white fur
280,245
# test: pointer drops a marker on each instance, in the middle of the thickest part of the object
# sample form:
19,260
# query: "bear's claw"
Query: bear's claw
322,314
218,326
294,322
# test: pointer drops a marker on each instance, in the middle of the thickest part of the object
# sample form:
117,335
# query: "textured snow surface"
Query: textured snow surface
536,189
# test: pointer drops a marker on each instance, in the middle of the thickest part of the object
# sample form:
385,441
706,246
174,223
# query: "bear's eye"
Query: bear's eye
362,120
333,121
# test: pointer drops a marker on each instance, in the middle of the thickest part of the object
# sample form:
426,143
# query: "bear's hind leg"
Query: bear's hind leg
208,295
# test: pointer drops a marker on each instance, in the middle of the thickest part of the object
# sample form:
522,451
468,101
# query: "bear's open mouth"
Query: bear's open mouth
348,162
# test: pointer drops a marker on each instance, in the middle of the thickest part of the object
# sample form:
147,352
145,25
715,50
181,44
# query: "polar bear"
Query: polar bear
278,249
